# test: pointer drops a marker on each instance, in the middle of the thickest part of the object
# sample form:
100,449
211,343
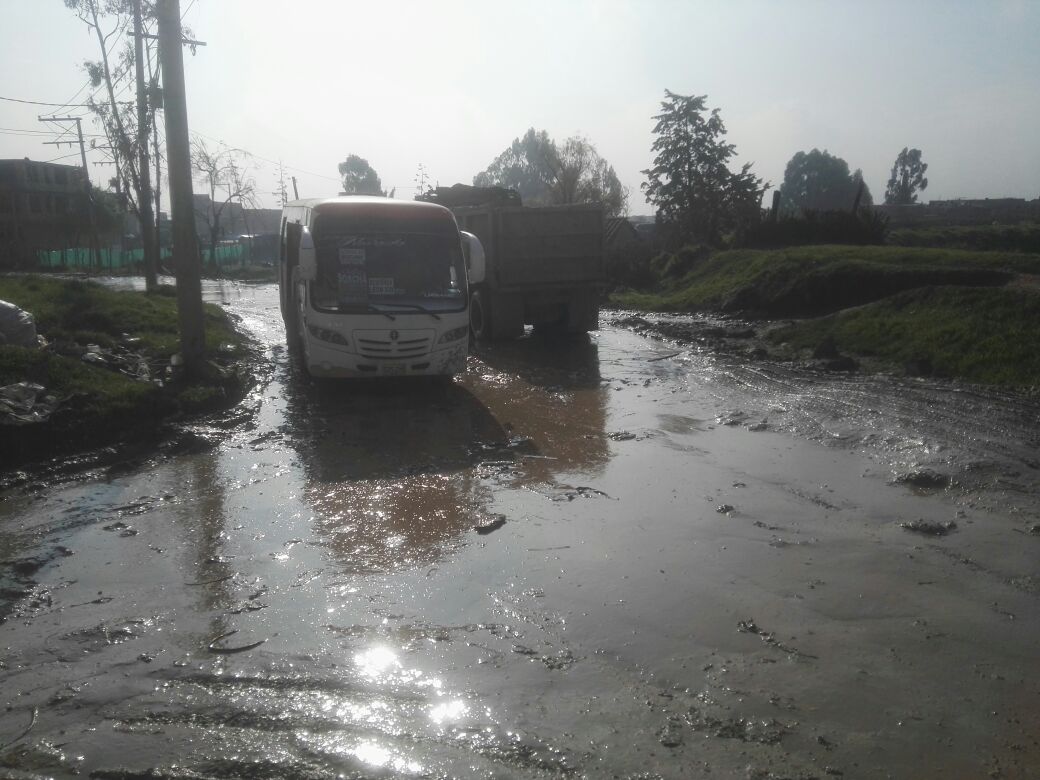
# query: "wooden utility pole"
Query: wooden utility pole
94,242
186,259
149,234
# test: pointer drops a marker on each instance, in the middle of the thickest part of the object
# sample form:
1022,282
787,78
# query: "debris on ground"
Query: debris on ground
750,627
215,647
24,403
925,478
765,732
490,524
928,528
17,327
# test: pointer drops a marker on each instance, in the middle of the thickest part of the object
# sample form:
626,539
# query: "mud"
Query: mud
612,557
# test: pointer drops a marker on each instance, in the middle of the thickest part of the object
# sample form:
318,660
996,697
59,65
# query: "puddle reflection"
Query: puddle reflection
550,392
389,467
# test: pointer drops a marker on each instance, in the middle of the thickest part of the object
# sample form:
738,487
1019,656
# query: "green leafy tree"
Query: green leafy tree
907,178
546,173
360,178
697,196
819,181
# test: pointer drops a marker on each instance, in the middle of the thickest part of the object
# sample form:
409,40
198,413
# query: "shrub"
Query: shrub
867,226
670,267
629,267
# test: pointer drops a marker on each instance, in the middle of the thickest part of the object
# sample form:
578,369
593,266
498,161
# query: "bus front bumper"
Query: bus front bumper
328,363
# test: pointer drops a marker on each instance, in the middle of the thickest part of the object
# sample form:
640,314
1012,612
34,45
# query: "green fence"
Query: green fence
115,259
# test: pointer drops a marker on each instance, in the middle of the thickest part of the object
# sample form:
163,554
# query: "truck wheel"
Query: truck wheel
480,315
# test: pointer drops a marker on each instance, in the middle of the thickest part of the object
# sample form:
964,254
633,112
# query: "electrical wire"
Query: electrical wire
63,157
24,131
265,159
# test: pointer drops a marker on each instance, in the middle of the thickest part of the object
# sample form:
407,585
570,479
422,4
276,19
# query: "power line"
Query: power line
63,157
24,131
265,159
42,103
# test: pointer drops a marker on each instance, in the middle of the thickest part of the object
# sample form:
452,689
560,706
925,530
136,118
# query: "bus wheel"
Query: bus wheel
480,315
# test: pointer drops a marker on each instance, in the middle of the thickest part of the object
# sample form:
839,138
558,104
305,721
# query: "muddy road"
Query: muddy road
618,557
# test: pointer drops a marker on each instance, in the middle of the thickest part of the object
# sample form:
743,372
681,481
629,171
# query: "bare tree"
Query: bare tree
226,174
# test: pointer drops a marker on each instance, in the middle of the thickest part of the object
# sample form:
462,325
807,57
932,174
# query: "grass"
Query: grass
943,312
1024,237
984,335
83,312
815,280
103,395
101,404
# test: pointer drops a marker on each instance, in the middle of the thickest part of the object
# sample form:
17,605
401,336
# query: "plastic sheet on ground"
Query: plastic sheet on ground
17,326
25,403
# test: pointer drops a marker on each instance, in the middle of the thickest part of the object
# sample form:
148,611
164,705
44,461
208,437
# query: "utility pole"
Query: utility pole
295,191
149,234
186,258
94,242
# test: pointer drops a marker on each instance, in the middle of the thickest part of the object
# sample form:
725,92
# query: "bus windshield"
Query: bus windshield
362,271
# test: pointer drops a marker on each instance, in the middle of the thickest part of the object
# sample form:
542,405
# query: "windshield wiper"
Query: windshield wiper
414,307
375,310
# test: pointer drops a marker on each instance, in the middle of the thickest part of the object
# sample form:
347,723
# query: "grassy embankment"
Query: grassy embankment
101,403
1024,237
949,312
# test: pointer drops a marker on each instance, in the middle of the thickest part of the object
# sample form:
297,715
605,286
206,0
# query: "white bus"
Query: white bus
374,287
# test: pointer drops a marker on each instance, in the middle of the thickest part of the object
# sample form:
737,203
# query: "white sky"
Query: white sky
450,83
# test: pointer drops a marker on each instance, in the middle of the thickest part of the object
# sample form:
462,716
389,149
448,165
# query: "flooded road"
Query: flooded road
610,558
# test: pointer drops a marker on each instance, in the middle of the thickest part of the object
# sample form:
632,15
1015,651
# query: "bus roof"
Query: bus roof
371,206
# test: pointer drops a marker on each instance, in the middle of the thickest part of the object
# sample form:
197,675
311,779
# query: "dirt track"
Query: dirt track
621,557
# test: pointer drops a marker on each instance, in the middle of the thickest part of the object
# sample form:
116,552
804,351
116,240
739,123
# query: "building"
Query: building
248,236
234,219
42,206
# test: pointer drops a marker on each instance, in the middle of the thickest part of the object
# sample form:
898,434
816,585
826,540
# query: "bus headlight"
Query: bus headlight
454,334
330,336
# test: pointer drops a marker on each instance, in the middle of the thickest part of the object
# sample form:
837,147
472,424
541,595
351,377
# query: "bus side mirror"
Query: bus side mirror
308,257
474,252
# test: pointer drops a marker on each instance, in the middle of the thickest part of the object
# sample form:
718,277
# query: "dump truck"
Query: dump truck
542,266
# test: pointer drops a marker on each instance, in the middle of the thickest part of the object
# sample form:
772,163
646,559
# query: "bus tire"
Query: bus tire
480,316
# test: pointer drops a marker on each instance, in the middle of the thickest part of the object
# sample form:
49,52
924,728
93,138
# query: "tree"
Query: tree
819,181
225,174
548,174
907,178
696,194
121,120
359,178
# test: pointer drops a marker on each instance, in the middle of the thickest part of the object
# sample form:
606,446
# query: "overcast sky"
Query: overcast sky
449,84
